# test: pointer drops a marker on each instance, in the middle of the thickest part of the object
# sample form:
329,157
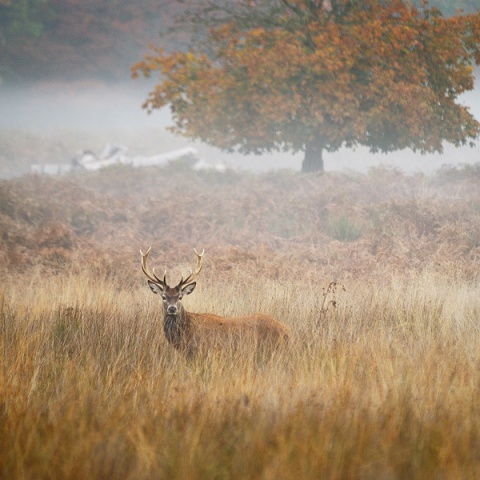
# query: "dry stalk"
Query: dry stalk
329,300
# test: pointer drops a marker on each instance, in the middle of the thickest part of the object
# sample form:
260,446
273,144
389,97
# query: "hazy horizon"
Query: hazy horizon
48,108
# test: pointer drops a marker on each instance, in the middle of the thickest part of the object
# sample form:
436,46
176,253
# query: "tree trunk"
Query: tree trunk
313,160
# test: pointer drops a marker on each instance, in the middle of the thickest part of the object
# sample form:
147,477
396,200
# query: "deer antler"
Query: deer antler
193,274
151,276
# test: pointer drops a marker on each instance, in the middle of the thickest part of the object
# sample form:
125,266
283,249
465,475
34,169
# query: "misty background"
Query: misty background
80,102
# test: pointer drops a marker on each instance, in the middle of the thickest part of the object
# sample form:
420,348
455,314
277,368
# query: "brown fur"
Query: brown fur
199,331
191,332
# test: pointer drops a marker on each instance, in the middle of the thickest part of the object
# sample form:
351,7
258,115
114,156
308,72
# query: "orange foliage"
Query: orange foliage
381,74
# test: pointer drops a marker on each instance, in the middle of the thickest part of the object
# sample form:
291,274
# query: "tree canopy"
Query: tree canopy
95,39
305,75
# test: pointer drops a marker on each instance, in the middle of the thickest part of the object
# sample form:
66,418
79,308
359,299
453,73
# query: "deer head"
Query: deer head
171,296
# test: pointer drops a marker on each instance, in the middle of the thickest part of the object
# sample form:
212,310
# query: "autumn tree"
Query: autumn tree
313,76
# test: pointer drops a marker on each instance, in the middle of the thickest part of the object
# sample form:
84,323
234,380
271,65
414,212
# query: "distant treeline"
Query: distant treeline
78,39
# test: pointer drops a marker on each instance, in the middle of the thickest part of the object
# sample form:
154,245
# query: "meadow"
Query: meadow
376,275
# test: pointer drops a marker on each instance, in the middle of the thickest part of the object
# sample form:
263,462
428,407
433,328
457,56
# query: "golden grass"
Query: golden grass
381,380
386,384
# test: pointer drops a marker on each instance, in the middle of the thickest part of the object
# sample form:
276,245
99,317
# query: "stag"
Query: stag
189,332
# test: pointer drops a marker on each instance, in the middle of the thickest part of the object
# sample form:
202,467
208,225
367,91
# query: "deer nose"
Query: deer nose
172,309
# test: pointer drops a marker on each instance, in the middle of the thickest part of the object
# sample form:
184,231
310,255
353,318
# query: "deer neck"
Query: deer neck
176,328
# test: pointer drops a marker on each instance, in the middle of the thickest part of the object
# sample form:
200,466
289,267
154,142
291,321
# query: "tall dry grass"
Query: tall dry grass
381,380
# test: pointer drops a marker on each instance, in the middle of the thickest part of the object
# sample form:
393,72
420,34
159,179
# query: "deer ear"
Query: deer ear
189,288
154,287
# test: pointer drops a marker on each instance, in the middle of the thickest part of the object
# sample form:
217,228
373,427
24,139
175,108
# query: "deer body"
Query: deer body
193,331
190,332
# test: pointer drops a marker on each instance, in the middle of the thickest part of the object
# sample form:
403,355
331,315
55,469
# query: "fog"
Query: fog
51,110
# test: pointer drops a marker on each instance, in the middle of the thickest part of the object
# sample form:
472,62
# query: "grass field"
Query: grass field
381,378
